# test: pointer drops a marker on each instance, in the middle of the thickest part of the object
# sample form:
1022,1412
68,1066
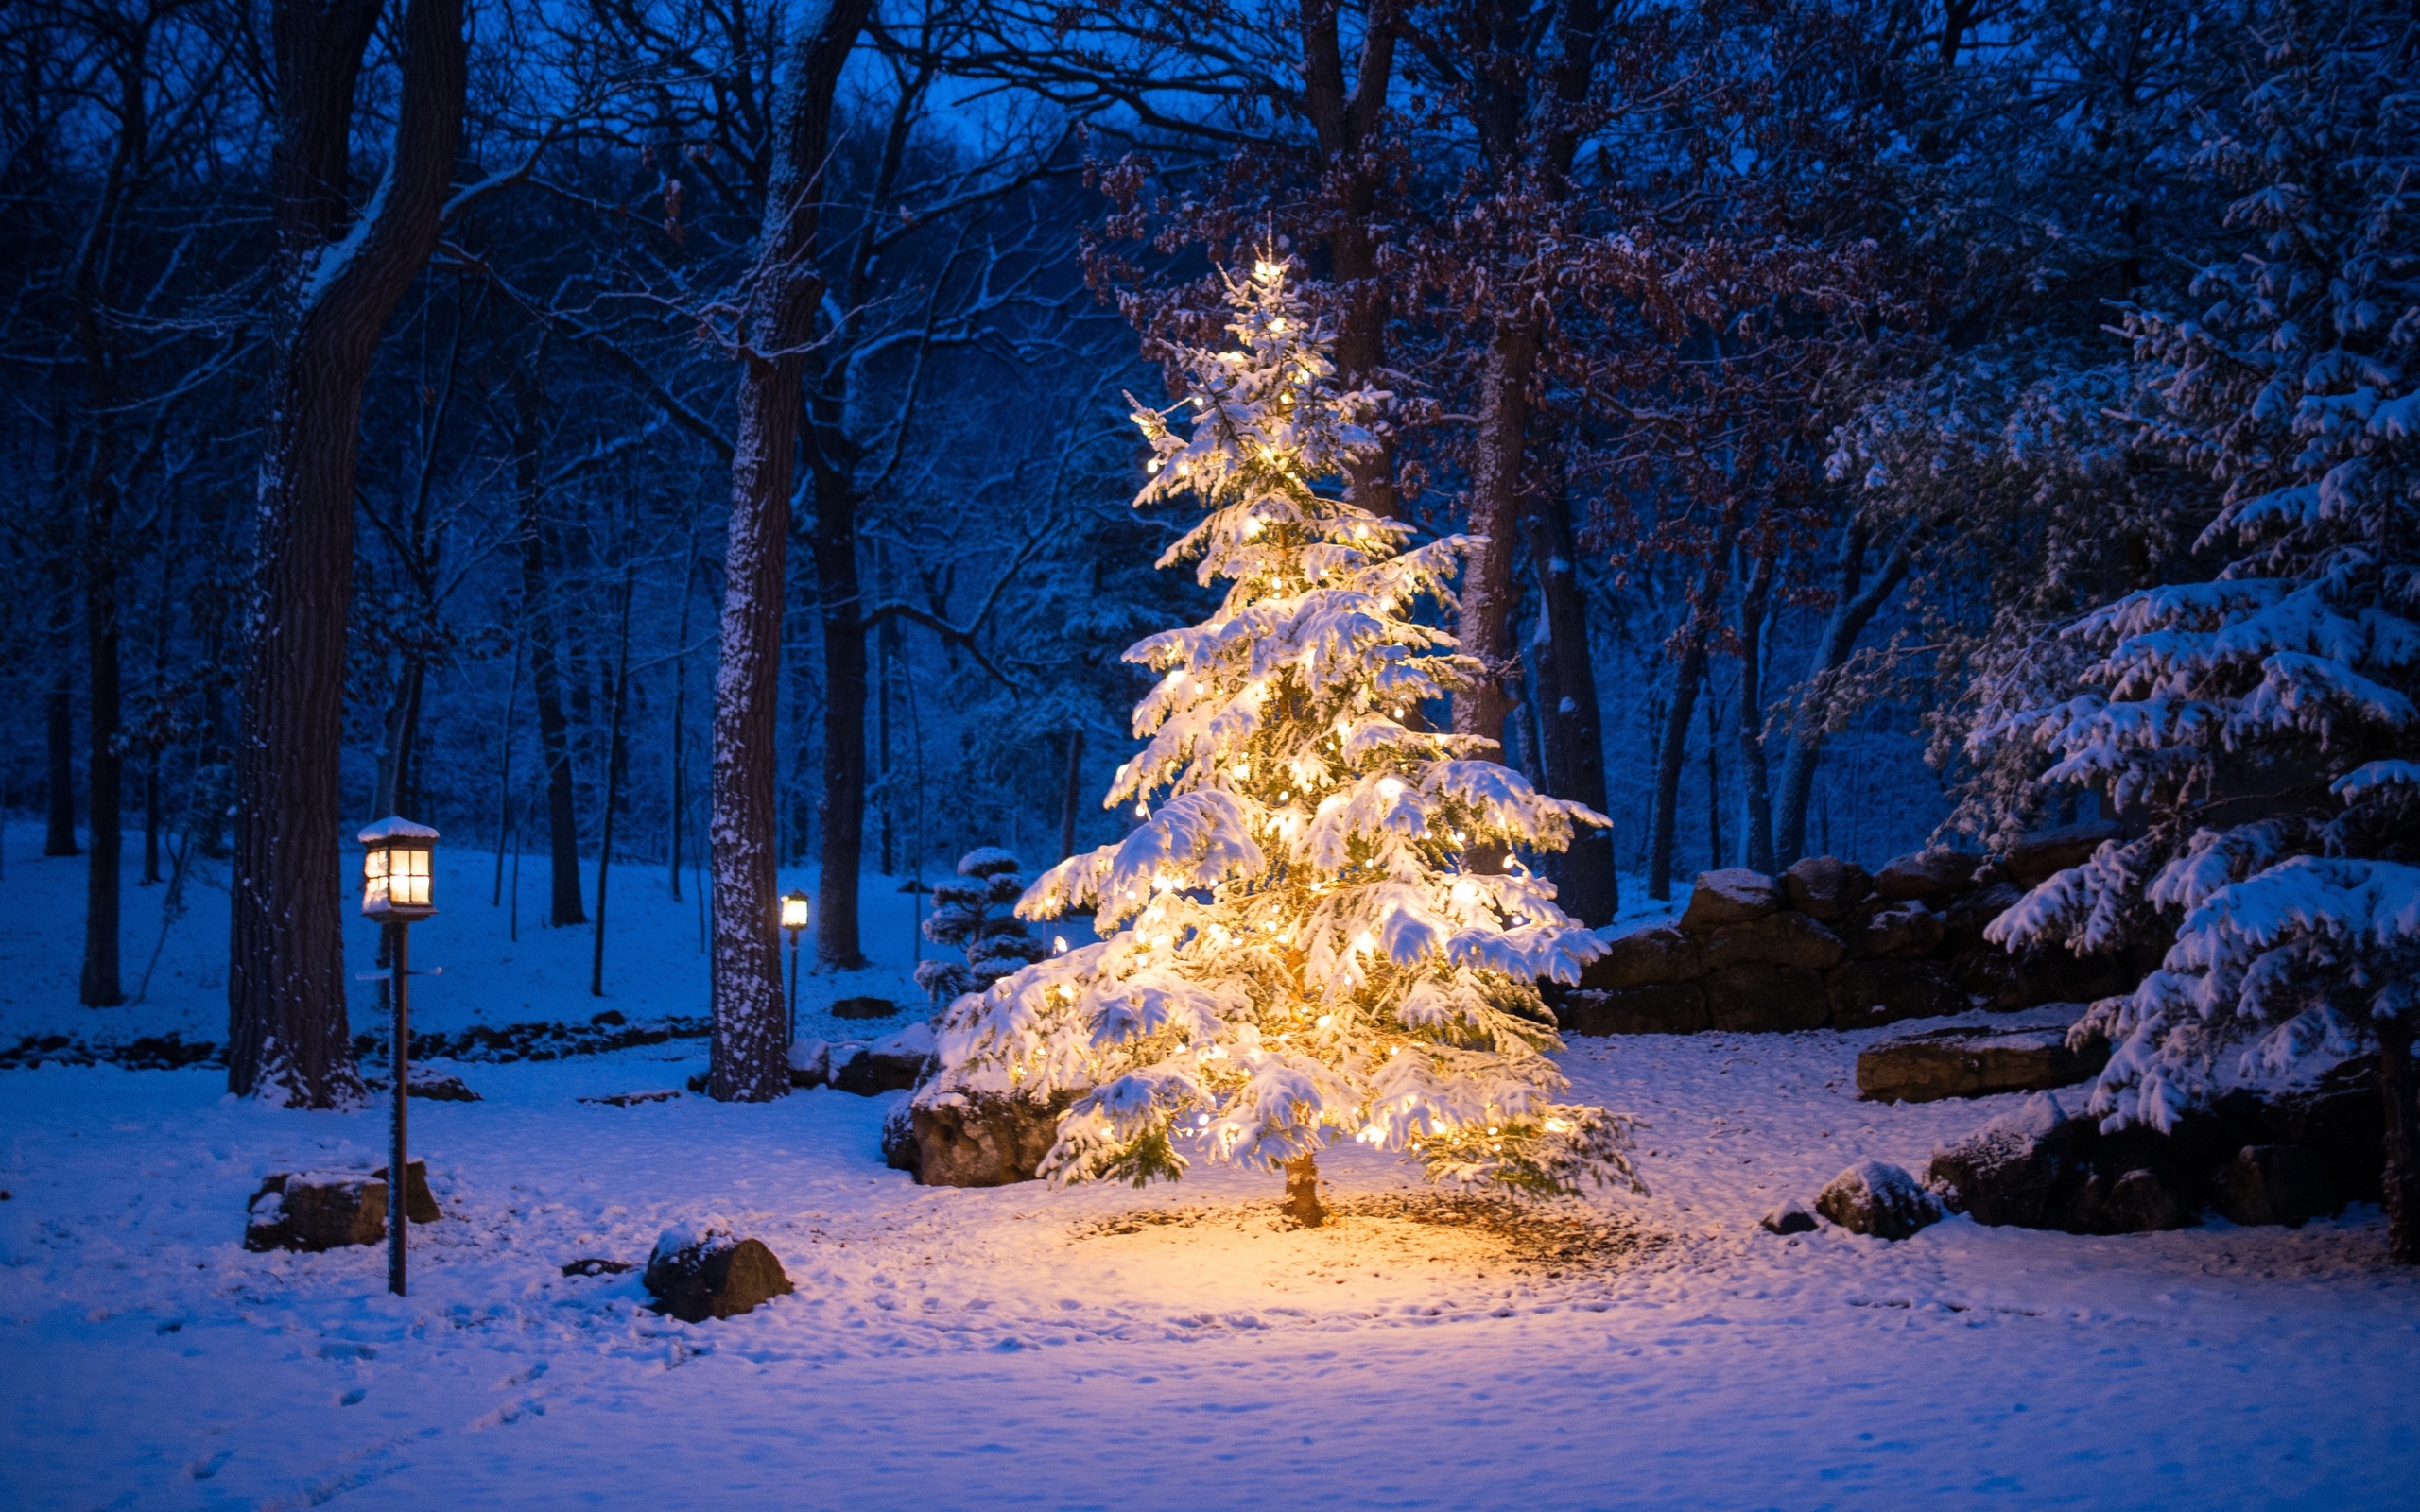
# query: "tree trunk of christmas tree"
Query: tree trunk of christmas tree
2399,1084
59,840
1566,699
1303,1191
286,1031
545,675
1690,672
751,1049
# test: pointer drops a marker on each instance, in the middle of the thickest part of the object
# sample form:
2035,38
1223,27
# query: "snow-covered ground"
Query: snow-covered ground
1099,1346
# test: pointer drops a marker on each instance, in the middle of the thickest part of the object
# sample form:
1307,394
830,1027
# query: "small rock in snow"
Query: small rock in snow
1792,1217
864,1009
1875,1197
700,1270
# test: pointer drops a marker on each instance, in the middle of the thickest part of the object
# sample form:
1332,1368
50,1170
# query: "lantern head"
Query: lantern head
794,911
395,871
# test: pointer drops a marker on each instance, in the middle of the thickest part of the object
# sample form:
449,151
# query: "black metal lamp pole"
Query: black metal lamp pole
396,876
399,1180
794,906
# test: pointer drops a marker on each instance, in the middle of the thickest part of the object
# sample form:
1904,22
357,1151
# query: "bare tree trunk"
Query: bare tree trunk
59,708
680,726
1485,625
545,675
103,771
1757,846
840,814
1345,121
2400,1085
1851,612
750,1042
152,821
1303,1191
1073,793
1569,728
1713,787
616,759
1684,707
286,1031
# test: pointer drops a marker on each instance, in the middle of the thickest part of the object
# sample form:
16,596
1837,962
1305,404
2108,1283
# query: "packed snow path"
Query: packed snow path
1030,1345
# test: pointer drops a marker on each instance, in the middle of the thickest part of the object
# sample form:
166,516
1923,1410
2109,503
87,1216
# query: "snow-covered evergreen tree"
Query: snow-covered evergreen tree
1295,948
2260,727
977,916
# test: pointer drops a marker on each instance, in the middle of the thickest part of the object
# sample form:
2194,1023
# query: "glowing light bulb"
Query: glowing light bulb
1465,893
1325,1018
1251,529
1142,811
1265,270
1278,324
1389,788
1362,942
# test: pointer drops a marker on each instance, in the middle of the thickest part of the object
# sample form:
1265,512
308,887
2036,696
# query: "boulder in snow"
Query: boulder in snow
1765,1000
864,1009
1865,995
975,1139
1825,887
1645,958
1792,1217
1878,1199
701,1270
316,1209
1906,929
1924,1068
2276,1183
1933,875
419,1205
1665,1007
1732,896
2036,858
892,1063
2025,1167
1784,938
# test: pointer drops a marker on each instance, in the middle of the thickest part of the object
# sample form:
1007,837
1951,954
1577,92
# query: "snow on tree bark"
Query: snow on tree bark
751,1057
1295,948
286,985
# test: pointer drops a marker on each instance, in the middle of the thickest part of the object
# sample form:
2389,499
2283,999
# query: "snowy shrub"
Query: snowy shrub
977,915
1295,948
2251,728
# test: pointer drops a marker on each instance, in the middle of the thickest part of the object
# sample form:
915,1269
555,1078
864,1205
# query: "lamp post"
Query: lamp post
396,874
794,903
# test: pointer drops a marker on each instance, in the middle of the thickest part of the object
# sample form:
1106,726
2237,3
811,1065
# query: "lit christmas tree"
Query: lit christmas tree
1296,949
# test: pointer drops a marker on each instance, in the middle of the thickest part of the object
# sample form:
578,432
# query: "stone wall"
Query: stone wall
1827,945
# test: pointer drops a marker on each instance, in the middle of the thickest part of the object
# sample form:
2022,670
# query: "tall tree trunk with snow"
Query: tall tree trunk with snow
1570,730
1689,673
751,1061
546,670
339,279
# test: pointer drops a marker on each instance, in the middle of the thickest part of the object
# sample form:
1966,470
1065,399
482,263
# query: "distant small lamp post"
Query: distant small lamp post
395,876
794,904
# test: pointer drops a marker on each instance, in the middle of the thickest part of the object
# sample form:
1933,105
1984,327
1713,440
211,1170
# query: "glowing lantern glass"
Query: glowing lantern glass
395,871
793,911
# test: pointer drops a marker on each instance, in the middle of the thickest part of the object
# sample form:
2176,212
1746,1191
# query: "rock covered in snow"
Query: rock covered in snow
1825,887
1786,938
1763,999
971,1138
701,1269
1906,929
2276,1183
2037,857
1932,874
2020,1168
1657,1007
1866,995
420,1204
1792,1217
864,1009
1875,1197
892,1063
1734,895
1645,958
316,1209
1924,1068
